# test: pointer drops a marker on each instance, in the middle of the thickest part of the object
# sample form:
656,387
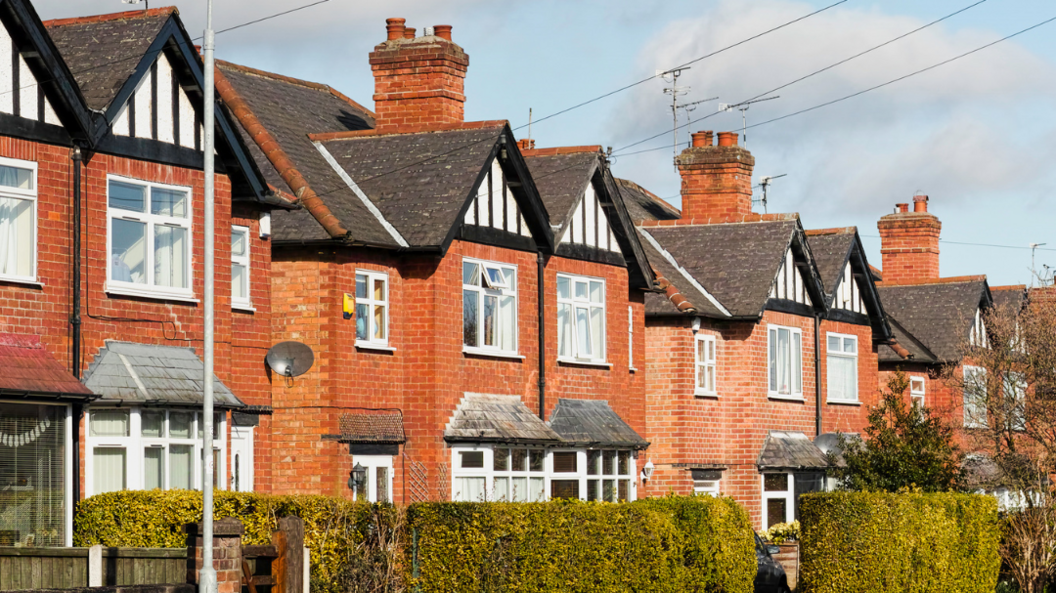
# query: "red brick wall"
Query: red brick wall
848,417
909,246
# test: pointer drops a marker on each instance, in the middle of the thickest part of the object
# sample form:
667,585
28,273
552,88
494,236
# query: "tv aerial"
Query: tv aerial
290,359
765,184
146,3
743,107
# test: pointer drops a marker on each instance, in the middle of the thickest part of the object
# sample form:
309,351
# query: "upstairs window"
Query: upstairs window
705,365
916,390
1015,399
240,268
18,220
580,319
489,307
785,347
975,397
842,362
149,239
372,308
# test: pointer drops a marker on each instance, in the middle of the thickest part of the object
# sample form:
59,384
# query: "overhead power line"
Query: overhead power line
967,244
811,75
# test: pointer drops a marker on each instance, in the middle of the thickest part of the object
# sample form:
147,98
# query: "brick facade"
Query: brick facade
910,243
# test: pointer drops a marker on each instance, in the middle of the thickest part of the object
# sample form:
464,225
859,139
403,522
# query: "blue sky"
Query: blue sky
978,136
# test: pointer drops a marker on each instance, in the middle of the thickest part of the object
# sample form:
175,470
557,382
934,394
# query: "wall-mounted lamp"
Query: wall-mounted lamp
696,324
647,471
357,479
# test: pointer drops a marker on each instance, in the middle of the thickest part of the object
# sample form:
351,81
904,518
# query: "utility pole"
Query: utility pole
207,576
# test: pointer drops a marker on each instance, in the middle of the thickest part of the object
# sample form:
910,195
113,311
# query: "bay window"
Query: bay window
705,365
372,308
240,268
785,348
580,319
842,361
148,239
489,307
18,220
35,475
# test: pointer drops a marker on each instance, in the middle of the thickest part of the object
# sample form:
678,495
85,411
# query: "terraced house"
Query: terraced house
101,226
477,312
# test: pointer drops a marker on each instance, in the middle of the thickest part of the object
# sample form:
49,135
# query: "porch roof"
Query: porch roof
27,370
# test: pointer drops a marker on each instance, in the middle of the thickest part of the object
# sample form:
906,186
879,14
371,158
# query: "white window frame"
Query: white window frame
244,304
370,302
1017,381
575,303
372,463
711,488
978,374
492,289
29,195
793,395
829,354
700,366
135,443
788,495
917,390
149,289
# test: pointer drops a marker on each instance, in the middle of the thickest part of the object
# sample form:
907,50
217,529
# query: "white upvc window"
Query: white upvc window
148,448
630,338
148,239
372,308
781,492
1015,399
975,397
378,485
785,348
18,220
842,365
240,268
610,475
705,365
917,390
580,319
489,307
707,488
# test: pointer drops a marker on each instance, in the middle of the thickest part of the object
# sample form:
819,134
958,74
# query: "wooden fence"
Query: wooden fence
63,568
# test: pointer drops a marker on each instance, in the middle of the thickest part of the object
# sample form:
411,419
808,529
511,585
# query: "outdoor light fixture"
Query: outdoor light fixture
647,471
696,324
357,478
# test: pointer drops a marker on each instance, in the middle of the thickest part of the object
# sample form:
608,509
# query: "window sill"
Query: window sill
632,370
371,346
244,307
490,353
705,394
838,402
584,363
23,281
150,294
786,398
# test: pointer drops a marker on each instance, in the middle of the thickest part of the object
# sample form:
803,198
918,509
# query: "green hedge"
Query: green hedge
883,542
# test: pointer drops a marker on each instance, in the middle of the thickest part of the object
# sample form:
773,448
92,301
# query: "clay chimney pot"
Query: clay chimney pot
701,139
443,31
920,203
408,33
902,207
727,138
395,28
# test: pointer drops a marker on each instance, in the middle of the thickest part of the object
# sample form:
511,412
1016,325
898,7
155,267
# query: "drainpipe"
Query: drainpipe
75,319
817,374
542,338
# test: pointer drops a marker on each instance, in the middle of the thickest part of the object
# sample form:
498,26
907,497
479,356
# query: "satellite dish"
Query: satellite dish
290,359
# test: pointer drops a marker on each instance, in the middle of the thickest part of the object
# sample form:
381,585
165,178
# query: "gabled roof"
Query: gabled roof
28,370
833,250
938,313
681,294
905,346
1014,297
736,263
497,418
643,204
591,423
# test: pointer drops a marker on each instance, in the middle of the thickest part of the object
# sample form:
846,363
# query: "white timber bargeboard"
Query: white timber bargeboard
19,92
790,284
176,115
494,205
589,224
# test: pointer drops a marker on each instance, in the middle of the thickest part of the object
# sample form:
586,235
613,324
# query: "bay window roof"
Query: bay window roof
28,370
482,418
590,423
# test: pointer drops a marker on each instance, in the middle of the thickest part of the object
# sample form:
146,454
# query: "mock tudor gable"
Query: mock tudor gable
850,292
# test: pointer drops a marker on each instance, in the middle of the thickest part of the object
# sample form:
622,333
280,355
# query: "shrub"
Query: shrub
909,541
780,533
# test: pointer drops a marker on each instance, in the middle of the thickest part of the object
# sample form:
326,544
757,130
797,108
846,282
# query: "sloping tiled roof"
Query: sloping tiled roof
643,204
27,368
736,263
1014,297
373,426
830,254
92,47
590,423
290,110
790,450
561,180
140,373
939,314
497,418
917,351
660,303
419,182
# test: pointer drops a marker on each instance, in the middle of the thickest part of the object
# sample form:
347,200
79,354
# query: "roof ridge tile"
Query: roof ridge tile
352,135
929,281
112,16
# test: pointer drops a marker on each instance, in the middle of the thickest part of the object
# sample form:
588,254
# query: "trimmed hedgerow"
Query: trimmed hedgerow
886,542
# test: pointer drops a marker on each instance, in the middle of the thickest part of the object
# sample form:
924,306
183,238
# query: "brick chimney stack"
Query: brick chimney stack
716,180
418,81
909,243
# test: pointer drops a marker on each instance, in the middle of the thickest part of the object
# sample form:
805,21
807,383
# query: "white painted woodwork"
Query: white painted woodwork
186,120
590,224
28,90
494,205
789,283
978,335
19,86
144,107
166,133
848,294
174,126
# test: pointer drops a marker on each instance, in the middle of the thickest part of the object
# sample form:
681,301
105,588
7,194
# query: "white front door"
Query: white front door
242,458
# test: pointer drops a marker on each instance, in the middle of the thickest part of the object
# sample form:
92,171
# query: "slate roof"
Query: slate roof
497,418
129,373
736,263
939,315
290,109
561,180
1009,296
918,351
643,204
790,450
591,423
659,303
830,255
90,45
419,182
27,368
373,426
